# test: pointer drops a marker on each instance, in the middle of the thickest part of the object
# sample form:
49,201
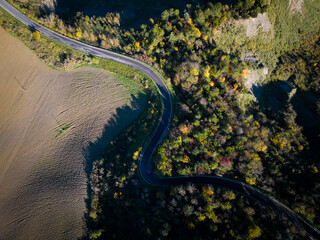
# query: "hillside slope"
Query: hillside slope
47,120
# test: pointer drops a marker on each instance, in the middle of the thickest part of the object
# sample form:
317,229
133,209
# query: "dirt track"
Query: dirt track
42,176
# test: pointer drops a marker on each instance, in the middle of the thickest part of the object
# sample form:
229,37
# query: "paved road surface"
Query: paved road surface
145,167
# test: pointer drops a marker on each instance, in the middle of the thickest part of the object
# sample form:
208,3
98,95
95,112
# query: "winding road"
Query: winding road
145,163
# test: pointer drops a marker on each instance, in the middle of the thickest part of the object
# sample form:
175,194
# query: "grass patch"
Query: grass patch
62,128
287,33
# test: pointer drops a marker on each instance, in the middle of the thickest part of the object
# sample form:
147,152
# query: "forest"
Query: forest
215,130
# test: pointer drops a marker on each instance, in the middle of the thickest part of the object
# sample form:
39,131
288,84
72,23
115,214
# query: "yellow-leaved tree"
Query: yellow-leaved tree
254,232
36,35
78,33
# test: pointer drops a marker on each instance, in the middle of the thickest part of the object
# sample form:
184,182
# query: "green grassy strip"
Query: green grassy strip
50,53
131,78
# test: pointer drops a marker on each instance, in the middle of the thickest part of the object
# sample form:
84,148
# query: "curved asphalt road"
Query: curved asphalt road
145,165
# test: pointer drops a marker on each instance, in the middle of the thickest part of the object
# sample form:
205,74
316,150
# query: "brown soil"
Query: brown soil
252,25
296,6
42,169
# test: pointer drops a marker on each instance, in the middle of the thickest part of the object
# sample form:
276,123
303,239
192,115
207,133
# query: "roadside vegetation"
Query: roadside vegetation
61,57
217,127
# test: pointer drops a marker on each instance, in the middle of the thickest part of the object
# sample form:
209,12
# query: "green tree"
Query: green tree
165,15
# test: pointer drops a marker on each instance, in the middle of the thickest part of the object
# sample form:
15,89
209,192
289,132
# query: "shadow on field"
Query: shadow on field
274,97
118,122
